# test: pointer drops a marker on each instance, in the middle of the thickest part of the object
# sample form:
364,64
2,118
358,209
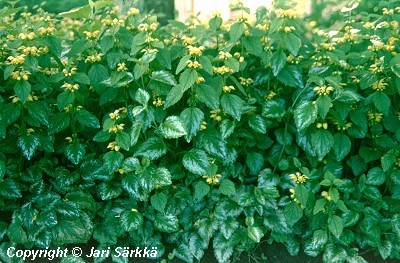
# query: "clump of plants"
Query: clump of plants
192,136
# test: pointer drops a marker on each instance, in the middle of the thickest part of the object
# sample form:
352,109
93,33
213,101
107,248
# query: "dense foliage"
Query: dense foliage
192,135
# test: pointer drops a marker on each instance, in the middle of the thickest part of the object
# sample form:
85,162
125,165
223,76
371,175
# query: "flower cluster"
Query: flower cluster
298,177
212,179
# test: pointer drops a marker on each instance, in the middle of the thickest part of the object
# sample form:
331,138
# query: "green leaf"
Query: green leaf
350,218
59,122
305,114
87,119
162,177
341,146
141,68
223,250
174,95
164,77
301,194
319,206
278,61
291,76
207,65
272,110
196,161
97,74
167,223
236,31
16,233
292,43
293,213
227,187
192,118
108,191
77,13
255,233
187,79
233,64
142,97
255,162
323,105
382,102
102,136
182,64
215,23
227,127
75,152
385,249
22,89
253,45
258,124
9,189
135,131
208,95
131,164
69,231
112,161
64,99
106,43
2,170
131,220
159,201
335,225
213,143
172,128
376,176
39,111
124,140
322,141
153,148
201,189
28,145
232,105
388,160
78,47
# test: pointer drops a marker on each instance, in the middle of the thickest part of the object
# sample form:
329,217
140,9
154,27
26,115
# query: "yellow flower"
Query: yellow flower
196,51
114,115
122,171
68,139
222,70
212,179
133,11
228,88
326,195
379,85
116,128
224,55
121,67
215,115
194,64
29,131
94,58
92,35
200,80
188,40
17,60
158,102
113,146
70,87
298,177
374,117
322,125
323,90
203,126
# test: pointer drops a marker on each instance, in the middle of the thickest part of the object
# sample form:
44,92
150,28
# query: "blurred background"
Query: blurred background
323,11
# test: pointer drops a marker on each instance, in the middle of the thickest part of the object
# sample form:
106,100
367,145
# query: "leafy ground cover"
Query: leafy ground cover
193,137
